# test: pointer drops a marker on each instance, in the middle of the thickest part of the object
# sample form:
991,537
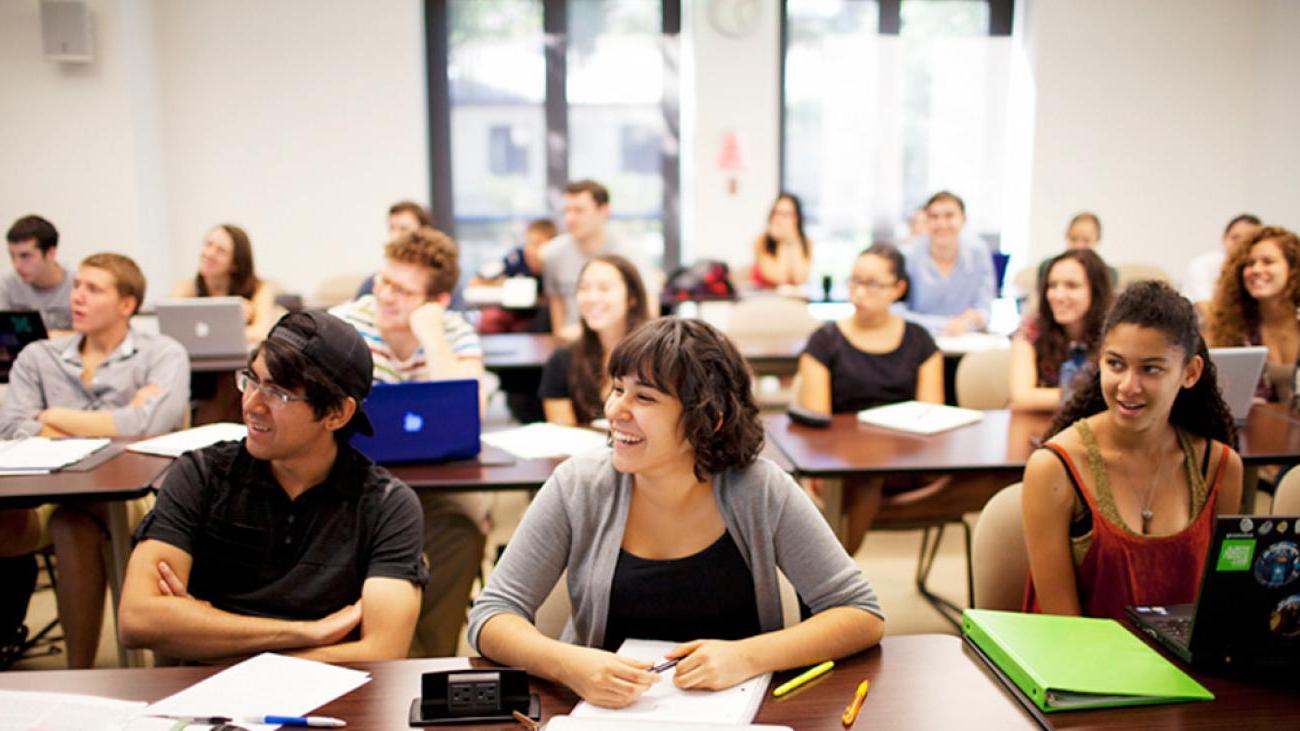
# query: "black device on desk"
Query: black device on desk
1247,614
17,329
474,696
808,418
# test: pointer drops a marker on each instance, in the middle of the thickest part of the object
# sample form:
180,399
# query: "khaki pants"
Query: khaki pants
453,545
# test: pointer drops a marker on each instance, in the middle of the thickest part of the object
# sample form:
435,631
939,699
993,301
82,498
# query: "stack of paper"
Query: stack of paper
40,455
539,441
919,417
23,710
177,443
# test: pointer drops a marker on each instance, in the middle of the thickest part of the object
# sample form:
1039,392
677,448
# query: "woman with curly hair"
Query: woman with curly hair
611,303
1073,298
1154,438
676,533
1257,302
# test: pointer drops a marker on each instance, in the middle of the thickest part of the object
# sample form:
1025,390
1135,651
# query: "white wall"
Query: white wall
1153,115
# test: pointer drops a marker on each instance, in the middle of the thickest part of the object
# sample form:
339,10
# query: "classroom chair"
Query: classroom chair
1024,283
770,316
982,381
337,290
1001,561
1130,273
1286,498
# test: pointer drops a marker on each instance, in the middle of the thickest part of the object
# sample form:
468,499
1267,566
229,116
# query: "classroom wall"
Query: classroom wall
1150,114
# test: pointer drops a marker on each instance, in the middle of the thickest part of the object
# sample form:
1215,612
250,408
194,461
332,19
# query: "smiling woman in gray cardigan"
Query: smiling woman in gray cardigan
674,534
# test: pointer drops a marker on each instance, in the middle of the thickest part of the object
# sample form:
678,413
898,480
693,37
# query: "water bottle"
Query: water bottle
1070,368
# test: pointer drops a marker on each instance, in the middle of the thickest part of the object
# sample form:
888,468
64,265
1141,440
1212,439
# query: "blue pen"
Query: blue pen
312,721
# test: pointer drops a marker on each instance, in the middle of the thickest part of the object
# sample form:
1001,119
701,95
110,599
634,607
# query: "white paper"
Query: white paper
919,417
665,703
29,711
40,454
177,443
541,440
972,342
268,684
569,723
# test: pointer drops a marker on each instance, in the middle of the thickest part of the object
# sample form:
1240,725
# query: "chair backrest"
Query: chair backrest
1286,498
982,381
998,552
1130,273
776,316
336,290
1025,281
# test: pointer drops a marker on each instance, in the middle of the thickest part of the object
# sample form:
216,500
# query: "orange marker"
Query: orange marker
851,713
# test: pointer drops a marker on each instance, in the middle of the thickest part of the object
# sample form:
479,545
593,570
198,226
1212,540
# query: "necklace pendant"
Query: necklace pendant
1147,514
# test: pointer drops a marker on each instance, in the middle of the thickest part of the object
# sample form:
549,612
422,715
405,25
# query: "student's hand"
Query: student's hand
331,629
427,316
169,584
145,393
711,664
605,679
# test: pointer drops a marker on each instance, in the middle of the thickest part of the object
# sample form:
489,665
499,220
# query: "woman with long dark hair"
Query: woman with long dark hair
783,254
1119,505
226,270
611,303
1072,301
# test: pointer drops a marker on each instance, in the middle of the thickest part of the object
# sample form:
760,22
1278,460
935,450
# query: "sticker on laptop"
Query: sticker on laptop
1285,618
1278,565
1246,525
1266,527
1235,554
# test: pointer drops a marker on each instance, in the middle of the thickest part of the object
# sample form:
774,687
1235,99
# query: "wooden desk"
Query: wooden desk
123,477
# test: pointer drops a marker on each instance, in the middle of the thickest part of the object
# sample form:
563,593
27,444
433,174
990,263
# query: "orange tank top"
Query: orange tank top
1122,568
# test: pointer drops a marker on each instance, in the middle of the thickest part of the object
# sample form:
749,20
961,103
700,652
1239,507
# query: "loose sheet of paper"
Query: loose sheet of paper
36,454
177,443
540,440
569,723
268,684
665,702
27,711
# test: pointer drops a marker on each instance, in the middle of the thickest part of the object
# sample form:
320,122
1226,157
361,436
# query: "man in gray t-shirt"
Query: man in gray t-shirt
586,222
37,282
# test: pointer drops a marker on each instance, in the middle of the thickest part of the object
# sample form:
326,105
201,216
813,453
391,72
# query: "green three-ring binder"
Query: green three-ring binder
1072,663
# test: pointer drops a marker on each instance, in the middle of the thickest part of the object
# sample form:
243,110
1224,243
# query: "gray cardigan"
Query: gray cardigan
577,520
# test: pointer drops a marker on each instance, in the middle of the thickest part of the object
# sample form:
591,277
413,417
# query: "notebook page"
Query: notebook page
177,443
42,453
24,710
539,441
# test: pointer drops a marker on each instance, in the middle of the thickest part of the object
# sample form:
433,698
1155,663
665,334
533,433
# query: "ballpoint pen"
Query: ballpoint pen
310,721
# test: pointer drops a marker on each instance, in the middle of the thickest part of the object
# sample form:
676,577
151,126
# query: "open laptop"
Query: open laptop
17,329
431,421
1239,370
1248,612
210,327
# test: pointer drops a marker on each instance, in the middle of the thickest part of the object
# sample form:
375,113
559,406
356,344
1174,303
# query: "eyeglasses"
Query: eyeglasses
871,284
276,397
400,292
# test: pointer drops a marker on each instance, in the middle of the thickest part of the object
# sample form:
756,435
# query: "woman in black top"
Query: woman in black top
870,358
611,303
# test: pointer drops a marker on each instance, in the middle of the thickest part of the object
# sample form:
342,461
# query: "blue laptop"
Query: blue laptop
433,421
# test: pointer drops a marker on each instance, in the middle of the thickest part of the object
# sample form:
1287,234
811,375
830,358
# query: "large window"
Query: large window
542,92
886,102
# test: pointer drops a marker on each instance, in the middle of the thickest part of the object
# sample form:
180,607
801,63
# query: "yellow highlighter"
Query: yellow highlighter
802,678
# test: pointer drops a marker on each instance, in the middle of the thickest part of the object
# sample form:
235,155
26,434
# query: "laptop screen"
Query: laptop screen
17,329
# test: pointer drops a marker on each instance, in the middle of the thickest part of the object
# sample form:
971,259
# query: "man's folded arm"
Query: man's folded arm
390,608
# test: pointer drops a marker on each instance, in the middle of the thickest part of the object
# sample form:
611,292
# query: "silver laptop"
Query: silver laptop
207,326
1239,370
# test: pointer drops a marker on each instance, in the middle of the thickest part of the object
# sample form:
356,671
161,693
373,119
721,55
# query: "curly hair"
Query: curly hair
696,364
429,247
1198,410
585,376
1051,342
1234,317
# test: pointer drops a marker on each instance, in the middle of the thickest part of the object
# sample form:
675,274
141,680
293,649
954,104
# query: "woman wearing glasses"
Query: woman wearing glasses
871,358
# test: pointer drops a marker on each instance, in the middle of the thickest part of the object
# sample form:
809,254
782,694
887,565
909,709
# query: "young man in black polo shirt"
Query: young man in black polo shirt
290,540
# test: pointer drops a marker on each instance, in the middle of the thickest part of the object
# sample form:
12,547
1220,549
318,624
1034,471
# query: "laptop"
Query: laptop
1239,370
17,329
211,327
1248,612
431,421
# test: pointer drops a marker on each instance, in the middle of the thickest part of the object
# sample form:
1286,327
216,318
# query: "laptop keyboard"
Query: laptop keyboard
1178,629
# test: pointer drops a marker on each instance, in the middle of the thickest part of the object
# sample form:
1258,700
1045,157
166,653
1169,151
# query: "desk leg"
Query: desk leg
832,504
119,538
1249,489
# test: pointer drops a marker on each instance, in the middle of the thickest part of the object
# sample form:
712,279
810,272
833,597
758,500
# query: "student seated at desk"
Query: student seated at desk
106,380
783,254
952,281
1119,505
290,540
414,337
611,303
226,270
870,358
1064,333
1256,303
38,282
676,534
521,261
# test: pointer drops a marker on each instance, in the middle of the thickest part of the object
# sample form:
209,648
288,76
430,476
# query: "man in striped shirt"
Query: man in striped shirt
412,336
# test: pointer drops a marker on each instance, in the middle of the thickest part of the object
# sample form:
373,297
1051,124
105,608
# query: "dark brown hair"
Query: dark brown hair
429,247
769,243
127,277
588,357
1198,410
415,209
1052,343
290,369
243,279
544,226
1085,216
34,227
1234,318
598,192
693,362
945,195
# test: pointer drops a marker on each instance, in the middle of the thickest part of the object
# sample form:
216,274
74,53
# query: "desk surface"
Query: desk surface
1001,442
126,475
917,681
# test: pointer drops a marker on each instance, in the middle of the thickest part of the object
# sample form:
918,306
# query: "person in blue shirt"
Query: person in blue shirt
952,278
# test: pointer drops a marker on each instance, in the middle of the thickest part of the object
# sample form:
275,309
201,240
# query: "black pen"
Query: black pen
665,665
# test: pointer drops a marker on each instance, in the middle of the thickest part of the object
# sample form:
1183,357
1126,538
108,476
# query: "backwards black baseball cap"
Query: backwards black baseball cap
337,348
